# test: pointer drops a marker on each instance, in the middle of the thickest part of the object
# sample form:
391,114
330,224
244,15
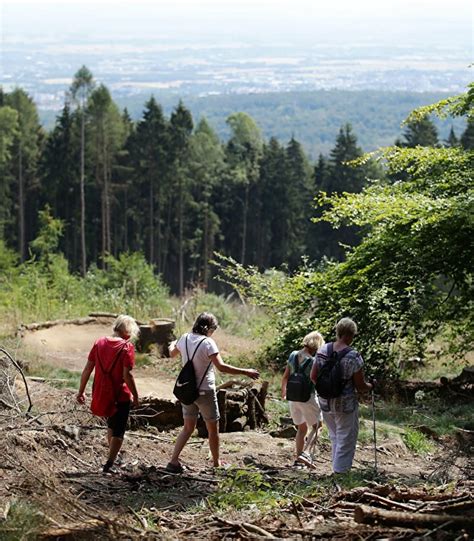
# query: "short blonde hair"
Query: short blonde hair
313,340
346,327
126,325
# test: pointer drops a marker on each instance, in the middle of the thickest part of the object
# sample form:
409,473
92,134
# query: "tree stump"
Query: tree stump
158,332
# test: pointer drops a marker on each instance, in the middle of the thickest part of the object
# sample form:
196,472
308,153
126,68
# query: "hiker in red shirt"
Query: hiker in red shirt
113,358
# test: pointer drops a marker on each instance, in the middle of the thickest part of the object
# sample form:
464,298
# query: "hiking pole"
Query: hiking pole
375,434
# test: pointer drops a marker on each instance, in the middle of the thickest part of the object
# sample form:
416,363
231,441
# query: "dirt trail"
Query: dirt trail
67,346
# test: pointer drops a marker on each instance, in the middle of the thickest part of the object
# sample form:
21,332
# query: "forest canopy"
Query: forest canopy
410,278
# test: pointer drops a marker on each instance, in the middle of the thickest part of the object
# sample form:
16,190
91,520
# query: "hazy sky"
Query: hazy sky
389,22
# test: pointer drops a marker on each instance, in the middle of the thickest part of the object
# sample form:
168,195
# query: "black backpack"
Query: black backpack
185,388
299,387
330,381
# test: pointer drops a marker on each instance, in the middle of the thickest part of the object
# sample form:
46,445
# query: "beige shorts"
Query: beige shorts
206,405
306,412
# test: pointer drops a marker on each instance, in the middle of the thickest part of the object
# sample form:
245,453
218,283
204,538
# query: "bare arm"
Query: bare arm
86,374
359,381
217,361
314,373
284,381
173,350
130,381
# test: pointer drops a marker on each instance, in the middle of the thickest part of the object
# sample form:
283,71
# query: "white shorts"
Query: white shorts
306,412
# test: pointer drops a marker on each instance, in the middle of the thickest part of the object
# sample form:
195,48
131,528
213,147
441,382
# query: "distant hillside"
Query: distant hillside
313,118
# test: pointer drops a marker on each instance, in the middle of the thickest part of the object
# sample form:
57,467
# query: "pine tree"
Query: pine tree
298,176
107,138
25,152
8,134
273,245
336,177
205,166
244,150
81,88
60,180
181,126
452,140
149,152
467,138
420,133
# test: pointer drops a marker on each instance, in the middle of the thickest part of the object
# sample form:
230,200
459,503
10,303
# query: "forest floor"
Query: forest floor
52,487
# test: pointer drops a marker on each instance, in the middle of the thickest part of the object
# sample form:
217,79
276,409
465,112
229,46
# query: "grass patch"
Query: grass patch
439,416
57,377
417,442
142,360
23,522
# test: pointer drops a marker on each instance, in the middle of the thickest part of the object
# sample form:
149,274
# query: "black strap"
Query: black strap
339,354
194,353
297,366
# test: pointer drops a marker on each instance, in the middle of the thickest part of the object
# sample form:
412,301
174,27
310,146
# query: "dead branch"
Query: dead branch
18,367
372,515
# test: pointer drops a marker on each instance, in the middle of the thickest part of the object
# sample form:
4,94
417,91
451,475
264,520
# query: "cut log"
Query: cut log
222,403
157,412
372,515
237,425
252,421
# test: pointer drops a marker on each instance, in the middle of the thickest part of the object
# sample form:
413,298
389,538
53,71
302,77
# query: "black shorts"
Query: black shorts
118,422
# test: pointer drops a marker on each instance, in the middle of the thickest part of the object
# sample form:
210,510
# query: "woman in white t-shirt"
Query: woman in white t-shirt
201,348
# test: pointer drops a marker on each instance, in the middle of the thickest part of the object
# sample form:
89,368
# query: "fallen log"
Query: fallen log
48,324
373,515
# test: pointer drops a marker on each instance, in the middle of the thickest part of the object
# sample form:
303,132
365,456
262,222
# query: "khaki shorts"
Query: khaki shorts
306,412
206,405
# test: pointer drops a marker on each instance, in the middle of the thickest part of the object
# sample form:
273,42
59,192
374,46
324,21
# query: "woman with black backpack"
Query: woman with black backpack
200,349
298,389
337,374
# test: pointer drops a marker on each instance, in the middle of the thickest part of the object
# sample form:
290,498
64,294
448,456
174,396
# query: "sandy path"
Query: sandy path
67,346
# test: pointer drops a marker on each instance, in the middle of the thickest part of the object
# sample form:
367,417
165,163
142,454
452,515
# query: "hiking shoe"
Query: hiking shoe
107,466
305,458
174,468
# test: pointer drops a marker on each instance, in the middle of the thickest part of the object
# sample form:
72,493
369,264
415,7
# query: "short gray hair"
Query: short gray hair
126,325
346,327
313,340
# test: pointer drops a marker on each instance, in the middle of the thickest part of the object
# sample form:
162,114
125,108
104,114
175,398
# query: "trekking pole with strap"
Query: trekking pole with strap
375,432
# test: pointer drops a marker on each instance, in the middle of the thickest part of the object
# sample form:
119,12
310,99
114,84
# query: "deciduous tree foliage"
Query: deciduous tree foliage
408,281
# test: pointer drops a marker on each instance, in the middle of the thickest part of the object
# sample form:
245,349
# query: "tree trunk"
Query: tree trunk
244,224
180,236
205,251
83,197
21,205
151,223
107,178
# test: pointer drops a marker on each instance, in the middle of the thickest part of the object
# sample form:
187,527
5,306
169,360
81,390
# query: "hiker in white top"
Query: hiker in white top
205,358
341,413
307,413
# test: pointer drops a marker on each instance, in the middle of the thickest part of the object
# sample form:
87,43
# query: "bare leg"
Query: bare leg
213,431
114,447
182,439
300,436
